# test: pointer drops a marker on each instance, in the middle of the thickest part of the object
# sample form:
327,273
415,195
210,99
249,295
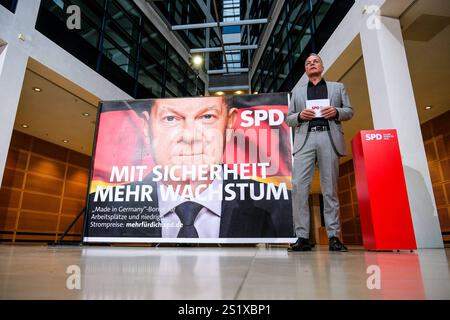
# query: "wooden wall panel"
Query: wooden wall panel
72,207
349,213
444,217
438,156
37,222
13,178
323,236
439,193
447,189
8,219
40,202
445,168
79,160
44,184
16,159
343,182
430,151
20,141
75,190
47,167
66,221
346,196
49,150
77,175
435,171
43,189
439,125
9,198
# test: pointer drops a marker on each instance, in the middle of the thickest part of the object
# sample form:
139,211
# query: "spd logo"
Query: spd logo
373,136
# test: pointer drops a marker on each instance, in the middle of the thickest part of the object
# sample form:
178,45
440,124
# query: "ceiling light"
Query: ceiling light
219,93
65,141
85,114
37,89
24,125
428,107
197,61
239,92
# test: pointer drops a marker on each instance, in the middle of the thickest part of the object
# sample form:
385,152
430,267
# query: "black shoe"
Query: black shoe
302,244
336,245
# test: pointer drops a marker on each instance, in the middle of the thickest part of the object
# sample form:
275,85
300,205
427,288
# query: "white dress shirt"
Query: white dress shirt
207,222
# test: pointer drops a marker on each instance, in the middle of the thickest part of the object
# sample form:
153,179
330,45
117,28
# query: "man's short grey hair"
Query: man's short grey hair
314,55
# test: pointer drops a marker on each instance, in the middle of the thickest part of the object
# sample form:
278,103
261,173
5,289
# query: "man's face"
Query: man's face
313,66
189,131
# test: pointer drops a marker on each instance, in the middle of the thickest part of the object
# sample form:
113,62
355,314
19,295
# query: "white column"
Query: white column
394,107
13,63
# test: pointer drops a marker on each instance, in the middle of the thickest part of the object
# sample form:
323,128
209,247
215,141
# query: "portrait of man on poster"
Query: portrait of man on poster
187,139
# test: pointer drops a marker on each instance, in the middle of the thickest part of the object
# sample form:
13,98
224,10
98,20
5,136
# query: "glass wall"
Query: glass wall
180,12
303,26
9,4
258,9
251,33
185,12
120,43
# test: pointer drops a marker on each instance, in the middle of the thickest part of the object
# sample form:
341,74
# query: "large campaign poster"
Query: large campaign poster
192,170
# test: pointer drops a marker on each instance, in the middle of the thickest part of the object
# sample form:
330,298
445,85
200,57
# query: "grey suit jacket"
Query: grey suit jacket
338,98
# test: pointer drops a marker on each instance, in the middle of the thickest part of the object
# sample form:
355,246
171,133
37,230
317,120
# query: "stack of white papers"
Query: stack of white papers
317,106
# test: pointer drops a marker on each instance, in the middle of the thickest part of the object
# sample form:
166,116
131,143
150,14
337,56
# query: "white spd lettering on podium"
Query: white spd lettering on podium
373,136
255,117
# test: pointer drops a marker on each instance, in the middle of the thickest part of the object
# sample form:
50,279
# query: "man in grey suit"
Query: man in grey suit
317,139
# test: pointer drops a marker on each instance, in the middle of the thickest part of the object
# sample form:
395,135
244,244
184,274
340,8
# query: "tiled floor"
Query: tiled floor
35,272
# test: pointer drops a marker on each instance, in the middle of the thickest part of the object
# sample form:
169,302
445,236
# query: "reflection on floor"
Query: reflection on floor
31,272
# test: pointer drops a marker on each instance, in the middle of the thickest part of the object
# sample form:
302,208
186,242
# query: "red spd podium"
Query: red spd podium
381,189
